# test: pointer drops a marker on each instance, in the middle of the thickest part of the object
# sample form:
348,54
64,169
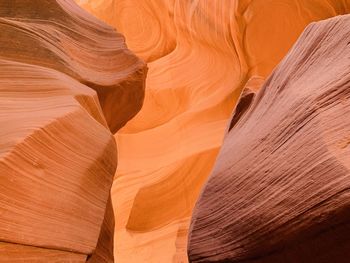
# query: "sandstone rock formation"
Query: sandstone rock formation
200,55
66,81
279,191
28,254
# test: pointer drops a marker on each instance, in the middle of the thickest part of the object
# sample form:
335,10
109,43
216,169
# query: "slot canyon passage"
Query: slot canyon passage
218,130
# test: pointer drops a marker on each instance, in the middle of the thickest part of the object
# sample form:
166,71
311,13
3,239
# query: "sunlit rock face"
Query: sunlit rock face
66,81
279,191
200,55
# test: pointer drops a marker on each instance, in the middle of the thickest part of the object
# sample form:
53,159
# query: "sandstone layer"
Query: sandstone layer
200,55
66,81
279,191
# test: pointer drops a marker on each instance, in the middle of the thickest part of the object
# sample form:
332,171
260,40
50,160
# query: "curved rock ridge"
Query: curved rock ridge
200,55
59,35
66,81
279,191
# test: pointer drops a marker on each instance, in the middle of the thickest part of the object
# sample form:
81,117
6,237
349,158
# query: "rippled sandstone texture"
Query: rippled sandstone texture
66,81
200,55
279,191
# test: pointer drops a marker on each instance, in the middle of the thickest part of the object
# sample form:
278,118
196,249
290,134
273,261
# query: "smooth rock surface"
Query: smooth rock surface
56,160
200,55
279,191
14,253
66,81
58,34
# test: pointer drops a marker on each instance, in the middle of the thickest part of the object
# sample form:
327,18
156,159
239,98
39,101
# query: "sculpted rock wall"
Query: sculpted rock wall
66,81
279,191
200,55
73,42
28,254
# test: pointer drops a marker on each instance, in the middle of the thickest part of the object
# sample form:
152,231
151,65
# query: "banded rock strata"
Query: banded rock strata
279,191
66,81
200,55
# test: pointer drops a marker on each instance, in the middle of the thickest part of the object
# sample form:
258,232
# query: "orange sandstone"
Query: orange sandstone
66,81
200,55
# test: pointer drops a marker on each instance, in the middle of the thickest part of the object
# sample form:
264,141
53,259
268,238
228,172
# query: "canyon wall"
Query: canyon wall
66,81
279,191
200,55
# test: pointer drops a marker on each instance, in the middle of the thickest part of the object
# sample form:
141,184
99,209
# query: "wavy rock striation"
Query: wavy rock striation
66,81
279,191
200,55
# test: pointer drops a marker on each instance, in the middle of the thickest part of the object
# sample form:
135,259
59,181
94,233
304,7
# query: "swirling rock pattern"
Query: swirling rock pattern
147,25
66,81
200,55
279,191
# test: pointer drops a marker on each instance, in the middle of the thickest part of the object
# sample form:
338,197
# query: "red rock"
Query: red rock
279,189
